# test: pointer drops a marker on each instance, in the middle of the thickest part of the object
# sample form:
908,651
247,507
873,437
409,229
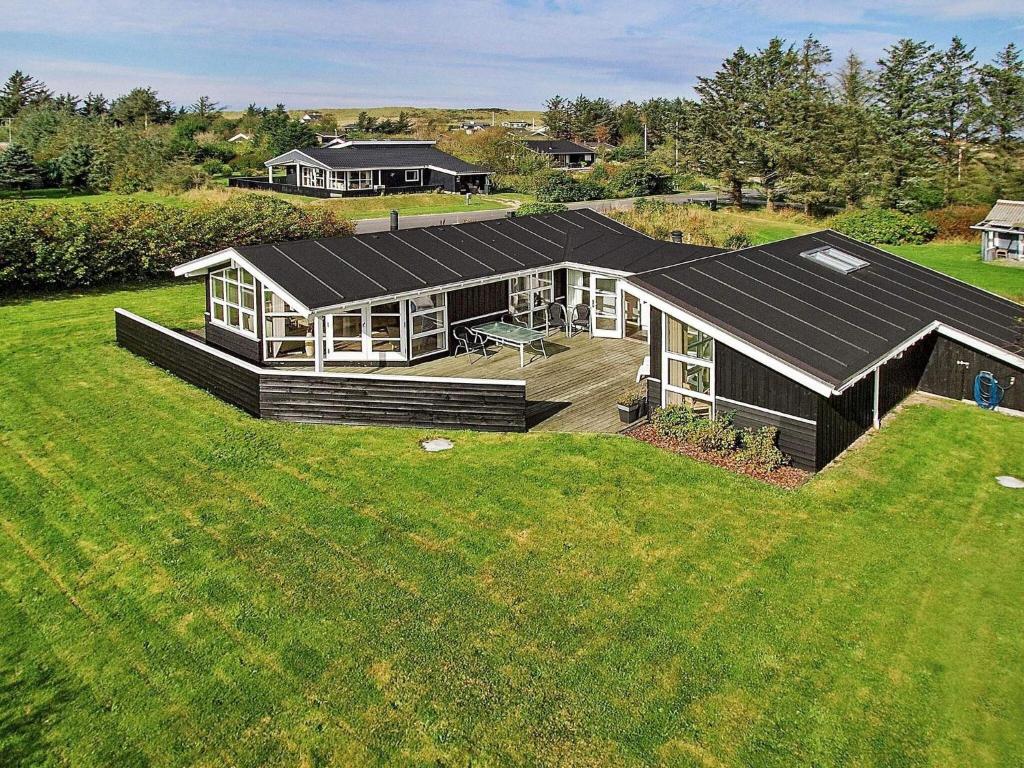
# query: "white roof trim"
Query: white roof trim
755,353
203,265
287,157
982,346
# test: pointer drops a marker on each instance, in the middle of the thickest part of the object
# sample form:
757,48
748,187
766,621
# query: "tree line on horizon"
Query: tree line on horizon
922,128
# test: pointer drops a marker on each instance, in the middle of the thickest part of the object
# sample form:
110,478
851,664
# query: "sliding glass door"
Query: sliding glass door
606,306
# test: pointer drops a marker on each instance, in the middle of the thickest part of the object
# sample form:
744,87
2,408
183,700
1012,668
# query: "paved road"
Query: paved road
366,226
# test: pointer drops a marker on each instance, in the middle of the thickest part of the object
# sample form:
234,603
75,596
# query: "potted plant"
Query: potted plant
631,404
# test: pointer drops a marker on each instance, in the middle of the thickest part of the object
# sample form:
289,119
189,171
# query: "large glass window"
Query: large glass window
360,179
529,296
233,299
429,316
386,327
287,333
579,287
311,177
336,180
689,368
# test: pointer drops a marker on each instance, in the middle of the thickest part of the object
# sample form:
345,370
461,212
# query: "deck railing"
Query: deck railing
496,405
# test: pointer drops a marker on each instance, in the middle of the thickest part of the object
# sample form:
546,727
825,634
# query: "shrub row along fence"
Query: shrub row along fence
76,245
328,398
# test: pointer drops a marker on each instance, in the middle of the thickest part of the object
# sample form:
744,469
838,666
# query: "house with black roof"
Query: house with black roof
819,335
562,153
346,168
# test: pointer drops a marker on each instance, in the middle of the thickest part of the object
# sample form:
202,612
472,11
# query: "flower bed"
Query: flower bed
783,477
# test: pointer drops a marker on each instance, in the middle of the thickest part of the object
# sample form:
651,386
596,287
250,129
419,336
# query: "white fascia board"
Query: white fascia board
459,173
889,355
982,346
290,157
755,353
201,266
246,365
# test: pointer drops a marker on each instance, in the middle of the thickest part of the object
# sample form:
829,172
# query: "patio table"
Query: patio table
511,335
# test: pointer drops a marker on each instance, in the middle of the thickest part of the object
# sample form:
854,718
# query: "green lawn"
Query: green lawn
352,208
181,584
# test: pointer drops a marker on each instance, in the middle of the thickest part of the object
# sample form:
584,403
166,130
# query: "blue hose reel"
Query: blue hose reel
988,392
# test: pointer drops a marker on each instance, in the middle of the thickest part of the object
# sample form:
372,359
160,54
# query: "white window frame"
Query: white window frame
441,329
269,339
666,356
336,180
359,180
540,295
365,313
311,176
416,176
221,276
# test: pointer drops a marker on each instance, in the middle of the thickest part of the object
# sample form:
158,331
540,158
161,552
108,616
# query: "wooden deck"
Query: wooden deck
573,390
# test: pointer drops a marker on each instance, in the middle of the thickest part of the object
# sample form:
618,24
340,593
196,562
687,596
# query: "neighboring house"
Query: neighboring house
326,139
819,335
345,168
1002,231
311,117
517,125
562,153
240,137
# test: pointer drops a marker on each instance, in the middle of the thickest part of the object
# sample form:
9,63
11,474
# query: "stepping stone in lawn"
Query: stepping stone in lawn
437,444
1010,482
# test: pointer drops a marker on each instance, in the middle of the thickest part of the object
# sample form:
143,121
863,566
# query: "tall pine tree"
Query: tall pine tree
904,102
955,114
852,151
20,91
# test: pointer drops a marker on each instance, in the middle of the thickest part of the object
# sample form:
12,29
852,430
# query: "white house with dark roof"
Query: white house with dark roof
1002,231
351,168
562,153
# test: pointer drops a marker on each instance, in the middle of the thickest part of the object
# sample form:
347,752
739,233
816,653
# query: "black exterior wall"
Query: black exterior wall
758,396
901,376
952,368
654,379
843,418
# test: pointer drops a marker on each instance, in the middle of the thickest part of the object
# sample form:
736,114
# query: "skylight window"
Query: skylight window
835,259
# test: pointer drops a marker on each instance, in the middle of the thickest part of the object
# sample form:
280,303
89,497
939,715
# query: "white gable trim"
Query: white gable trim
203,265
295,155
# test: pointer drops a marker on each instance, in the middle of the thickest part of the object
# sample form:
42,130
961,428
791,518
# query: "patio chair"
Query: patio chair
555,318
468,341
580,319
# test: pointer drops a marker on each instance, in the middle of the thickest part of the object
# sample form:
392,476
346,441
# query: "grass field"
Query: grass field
181,584
352,208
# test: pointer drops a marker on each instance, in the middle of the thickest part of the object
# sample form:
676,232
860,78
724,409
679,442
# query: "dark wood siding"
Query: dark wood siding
330,399
901,376
396,402
224,338
742,378
946,375
478,301
653,394
797,439
561,279
228,381
844,418
655,343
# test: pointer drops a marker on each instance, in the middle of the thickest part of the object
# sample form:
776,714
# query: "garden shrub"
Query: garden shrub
532,209
562,187
638,179
673,420
736,240
885,227
716,435
758,448
524,184
69,246
954,221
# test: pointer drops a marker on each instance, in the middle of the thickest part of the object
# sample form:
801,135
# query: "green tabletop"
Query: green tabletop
519,334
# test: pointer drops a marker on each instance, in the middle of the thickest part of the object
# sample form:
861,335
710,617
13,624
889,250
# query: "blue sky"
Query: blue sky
512,53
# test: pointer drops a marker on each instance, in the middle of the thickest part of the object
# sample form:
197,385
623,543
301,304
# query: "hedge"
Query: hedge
884,227
72,246
532,209
954,222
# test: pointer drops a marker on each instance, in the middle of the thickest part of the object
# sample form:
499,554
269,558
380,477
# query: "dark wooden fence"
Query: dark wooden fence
328,398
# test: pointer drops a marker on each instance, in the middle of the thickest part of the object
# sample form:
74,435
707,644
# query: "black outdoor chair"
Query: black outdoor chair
466,340
555,318
580,319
